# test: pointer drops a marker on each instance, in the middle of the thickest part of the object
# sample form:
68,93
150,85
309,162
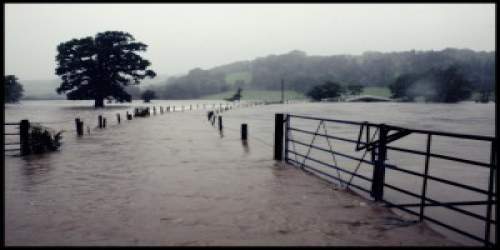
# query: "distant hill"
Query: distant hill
301,72
41,89
46,89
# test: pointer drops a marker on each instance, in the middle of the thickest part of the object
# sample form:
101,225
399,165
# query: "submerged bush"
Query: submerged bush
142,111
44,139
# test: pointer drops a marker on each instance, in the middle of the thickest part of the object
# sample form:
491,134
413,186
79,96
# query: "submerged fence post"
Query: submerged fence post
377,191
278,136
118,118
103,122
244,131
99,119
24,128
220,123
287,126
79,127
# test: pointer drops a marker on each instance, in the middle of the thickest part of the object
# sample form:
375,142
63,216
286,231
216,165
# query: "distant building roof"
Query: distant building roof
368,98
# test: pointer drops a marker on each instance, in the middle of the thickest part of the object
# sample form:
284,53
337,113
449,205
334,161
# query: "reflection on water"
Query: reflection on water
246,148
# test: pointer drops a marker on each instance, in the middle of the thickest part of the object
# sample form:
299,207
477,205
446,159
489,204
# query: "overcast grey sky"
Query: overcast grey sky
185,36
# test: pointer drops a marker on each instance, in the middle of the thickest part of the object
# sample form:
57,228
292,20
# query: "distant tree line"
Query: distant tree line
302,73
196,83
435,85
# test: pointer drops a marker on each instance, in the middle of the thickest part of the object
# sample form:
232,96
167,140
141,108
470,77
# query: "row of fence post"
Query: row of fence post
24,127
102,120
211,115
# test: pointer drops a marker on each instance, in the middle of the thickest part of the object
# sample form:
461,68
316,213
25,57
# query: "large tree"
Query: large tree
13,89
98,68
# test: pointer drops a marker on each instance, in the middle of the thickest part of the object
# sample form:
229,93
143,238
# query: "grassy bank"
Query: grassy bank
266,95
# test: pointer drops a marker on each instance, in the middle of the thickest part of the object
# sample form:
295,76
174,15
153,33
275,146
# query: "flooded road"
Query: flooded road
172,179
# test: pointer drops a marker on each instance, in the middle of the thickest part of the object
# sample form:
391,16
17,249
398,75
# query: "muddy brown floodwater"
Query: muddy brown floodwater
173,179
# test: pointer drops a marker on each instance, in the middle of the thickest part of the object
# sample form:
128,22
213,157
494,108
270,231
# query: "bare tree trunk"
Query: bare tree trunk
99,102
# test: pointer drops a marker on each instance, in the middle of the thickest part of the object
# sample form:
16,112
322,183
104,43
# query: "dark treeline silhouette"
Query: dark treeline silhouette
13,90
435,85
326,90
302,72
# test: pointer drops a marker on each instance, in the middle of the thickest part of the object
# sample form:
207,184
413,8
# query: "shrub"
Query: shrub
44,139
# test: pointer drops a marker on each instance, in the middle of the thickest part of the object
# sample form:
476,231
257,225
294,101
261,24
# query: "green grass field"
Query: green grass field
265,95
377,91
233,77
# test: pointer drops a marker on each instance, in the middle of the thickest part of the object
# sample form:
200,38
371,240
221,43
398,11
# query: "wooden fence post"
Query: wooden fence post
278,136
79,127
99,121
220,122
118,118
24,128
244,131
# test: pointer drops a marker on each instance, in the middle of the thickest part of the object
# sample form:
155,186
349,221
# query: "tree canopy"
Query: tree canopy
435,85
13,89
329,89
99,68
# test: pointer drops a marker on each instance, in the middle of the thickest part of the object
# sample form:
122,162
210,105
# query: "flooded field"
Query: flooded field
173,179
